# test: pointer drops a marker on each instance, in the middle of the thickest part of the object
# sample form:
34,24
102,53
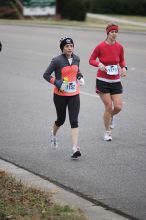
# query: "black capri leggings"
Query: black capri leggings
73,104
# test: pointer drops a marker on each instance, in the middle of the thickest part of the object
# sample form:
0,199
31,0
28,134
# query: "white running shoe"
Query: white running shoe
75,152
54,143
107,136
112,124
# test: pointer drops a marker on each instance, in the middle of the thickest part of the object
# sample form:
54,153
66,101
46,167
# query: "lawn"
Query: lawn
19,202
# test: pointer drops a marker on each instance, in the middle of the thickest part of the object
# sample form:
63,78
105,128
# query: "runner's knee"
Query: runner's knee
59,122
118,108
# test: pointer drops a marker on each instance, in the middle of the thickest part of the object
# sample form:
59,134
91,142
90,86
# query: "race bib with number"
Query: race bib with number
112,70
71,87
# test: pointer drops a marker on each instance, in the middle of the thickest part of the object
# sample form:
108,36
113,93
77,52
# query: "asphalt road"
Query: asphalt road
111,173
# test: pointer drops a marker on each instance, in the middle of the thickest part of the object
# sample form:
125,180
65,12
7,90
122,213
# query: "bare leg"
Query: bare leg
55,129
76,149
117,104
74,135
107,100
54,143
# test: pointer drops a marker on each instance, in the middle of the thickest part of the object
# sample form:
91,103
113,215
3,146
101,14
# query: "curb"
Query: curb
61,196
129,29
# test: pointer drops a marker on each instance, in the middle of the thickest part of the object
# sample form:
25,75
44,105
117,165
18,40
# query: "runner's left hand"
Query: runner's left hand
123,72
80,79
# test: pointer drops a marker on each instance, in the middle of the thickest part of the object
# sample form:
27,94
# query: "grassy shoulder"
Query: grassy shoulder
89,23
19,202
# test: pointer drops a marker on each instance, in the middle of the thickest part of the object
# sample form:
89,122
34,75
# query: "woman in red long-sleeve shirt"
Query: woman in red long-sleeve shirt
111,67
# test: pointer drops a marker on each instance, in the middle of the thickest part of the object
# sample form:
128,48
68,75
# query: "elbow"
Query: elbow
90,62
44,76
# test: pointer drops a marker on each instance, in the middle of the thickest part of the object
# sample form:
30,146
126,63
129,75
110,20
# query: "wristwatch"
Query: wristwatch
126,67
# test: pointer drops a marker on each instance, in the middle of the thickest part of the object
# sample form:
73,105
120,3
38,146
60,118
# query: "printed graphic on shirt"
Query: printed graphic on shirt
71,87
70,72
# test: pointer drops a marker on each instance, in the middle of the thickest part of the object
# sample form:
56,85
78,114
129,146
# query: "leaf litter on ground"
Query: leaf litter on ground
20,202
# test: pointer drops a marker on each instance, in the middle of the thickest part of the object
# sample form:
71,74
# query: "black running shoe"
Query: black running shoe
76,154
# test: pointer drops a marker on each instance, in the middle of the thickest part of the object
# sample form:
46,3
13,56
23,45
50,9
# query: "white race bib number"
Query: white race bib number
71,87
112,70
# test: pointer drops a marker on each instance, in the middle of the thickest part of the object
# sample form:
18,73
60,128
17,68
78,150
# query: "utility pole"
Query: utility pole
58,11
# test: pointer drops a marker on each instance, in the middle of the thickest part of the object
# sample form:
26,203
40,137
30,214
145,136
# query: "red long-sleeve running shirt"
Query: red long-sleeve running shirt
108,55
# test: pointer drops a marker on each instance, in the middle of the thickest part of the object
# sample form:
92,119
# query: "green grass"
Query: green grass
18,202
89,23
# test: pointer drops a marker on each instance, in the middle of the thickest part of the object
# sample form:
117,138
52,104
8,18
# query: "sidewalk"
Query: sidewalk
115,19
61,196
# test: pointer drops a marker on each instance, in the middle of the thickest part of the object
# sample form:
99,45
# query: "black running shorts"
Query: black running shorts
106,87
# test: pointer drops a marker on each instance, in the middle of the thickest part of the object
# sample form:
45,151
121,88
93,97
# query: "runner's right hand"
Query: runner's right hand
101,67
58,83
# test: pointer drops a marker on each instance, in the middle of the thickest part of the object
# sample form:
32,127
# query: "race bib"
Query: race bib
71,87
112,70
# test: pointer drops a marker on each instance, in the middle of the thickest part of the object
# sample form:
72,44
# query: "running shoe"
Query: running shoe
54,143
112,124
76,153
107,136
